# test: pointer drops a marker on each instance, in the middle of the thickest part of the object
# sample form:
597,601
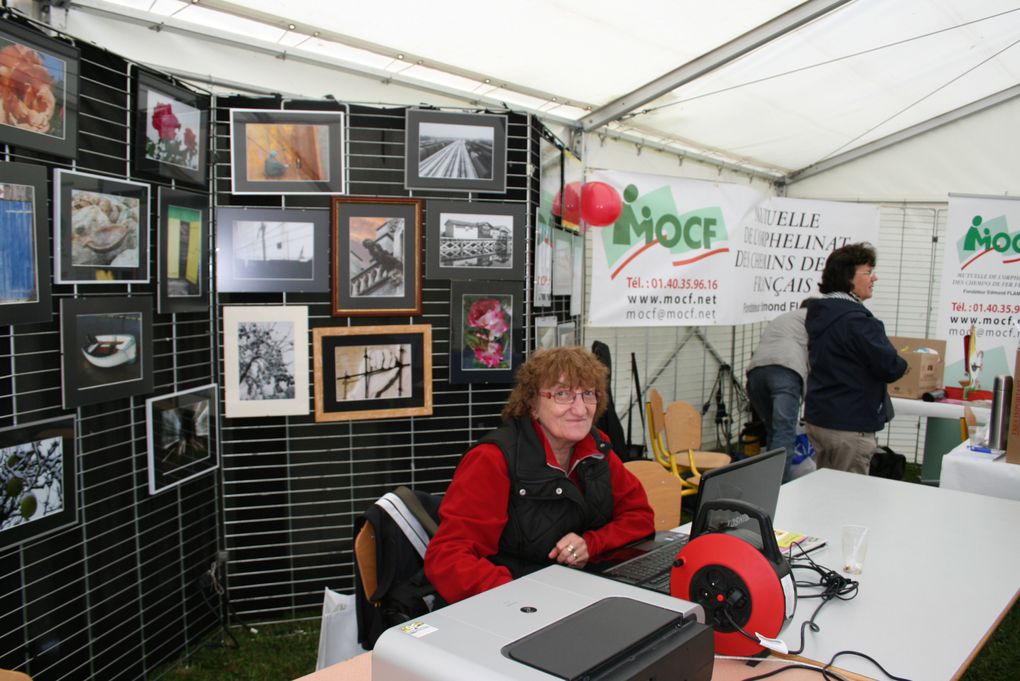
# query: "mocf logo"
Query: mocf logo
690,231
984,239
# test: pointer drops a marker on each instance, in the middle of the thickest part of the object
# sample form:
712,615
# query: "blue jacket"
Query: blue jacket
851,360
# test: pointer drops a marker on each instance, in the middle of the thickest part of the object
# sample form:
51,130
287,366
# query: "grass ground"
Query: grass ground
280,652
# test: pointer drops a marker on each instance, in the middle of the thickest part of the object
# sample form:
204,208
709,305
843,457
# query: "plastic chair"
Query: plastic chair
683,432
365,555
665,491
9,675
687,473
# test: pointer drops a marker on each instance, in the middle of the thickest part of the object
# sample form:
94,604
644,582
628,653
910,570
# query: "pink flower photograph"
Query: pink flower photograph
170,129
486,343
171,134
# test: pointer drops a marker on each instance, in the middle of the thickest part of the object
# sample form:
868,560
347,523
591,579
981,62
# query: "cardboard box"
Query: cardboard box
925,370
1013,438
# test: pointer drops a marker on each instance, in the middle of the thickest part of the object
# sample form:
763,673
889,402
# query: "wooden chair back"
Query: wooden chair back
10,675
364,554
664,491
683,434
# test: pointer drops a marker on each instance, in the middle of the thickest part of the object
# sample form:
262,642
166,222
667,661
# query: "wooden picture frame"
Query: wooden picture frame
452,150
100,229
106,349
171,130
38,481
24,245
272,250
50,122
181,434
183,252
372,372
475,240
265,361
287,152
487,331
376,247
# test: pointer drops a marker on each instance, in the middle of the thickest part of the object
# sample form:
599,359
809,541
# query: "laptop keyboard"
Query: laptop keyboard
650,570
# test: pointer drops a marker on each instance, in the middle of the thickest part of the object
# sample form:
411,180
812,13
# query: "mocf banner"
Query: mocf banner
696,253
980,291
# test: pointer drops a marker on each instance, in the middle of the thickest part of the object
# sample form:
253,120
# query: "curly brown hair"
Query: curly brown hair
579,368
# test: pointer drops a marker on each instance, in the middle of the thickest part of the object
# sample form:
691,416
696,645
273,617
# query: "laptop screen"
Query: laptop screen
755,480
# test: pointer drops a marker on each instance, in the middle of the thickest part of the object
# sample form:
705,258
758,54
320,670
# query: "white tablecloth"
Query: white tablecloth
969,471
942,410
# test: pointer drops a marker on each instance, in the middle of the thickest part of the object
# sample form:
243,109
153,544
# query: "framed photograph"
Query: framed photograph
181,429
372,372
487,331
545,332
272,249
475,240
24,245
265,361
563,263
376,256
37,479
171,129
566,334
106,347
450,150
39,91
100,229
287,152
183,251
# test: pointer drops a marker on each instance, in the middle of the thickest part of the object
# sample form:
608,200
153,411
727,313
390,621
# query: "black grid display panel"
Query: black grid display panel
292,487
116,594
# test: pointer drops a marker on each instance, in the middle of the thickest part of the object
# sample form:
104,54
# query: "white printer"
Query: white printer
555,623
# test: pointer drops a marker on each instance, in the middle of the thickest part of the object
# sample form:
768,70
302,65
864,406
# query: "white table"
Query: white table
940,410
941,570
980,473
942,429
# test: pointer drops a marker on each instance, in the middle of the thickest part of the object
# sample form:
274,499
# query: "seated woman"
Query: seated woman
544,488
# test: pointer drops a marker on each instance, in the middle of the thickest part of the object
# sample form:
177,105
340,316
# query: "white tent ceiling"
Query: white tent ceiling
776,86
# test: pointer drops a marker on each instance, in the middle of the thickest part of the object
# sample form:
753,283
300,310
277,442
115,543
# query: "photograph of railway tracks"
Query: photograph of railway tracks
449,150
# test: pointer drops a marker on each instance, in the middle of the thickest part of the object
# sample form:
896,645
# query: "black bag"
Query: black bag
609,423
403,592
885,463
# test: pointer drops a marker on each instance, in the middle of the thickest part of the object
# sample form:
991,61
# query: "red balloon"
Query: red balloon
600,204
569,210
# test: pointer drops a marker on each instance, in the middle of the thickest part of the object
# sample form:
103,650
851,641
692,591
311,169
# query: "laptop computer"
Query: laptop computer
755,480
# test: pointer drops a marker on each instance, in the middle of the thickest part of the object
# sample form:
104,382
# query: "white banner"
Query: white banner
696,253
981,285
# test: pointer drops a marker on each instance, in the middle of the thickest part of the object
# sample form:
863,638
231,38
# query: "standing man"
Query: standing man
776,377
851,362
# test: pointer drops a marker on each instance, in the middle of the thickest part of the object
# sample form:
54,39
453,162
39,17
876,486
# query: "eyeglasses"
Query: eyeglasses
568,396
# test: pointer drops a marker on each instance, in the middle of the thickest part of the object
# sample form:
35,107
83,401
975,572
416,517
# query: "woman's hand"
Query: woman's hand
571,550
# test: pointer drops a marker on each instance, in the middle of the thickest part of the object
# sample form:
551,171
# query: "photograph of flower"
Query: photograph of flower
37,479
475,240
453,150
170,130
181,429
24,246
107,348
38,91
272,249
369,372
287,152
100,229
376,251
265,357
487,325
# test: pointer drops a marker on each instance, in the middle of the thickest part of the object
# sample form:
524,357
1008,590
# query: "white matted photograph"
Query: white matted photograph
265,356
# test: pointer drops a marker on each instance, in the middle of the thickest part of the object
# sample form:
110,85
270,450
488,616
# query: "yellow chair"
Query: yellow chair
665,491
364,554
8,675
683,432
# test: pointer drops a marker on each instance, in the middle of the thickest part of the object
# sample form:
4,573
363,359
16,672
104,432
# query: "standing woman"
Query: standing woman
544,488
852,361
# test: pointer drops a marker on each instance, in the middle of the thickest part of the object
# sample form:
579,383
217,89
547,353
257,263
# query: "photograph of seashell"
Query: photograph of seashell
104,230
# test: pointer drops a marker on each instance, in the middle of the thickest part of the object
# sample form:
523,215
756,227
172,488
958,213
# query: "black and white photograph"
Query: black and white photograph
563,263
269,249
100,229
370,372
37,479
475,240
376,247
265,357
453,150
181,429
545,332
107,348
24,245
566,334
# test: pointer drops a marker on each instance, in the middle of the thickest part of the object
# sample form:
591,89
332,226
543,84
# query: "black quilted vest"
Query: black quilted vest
544,503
